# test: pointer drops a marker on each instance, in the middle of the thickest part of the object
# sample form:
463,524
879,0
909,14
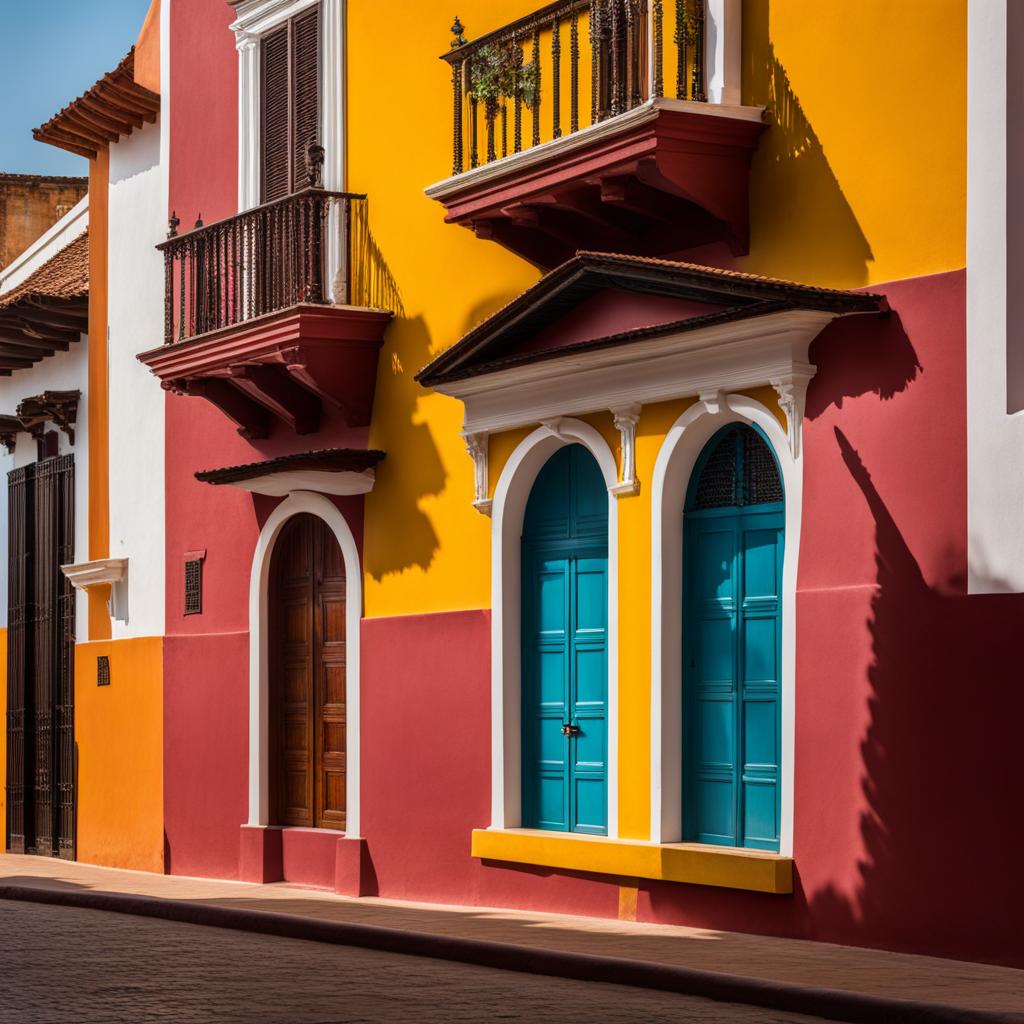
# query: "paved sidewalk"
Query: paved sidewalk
795,962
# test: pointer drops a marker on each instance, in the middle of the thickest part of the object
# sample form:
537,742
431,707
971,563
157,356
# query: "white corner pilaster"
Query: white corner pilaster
626,419
477,445
248,48
724,49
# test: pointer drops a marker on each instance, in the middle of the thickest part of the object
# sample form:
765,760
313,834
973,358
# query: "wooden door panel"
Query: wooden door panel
329,642
308,686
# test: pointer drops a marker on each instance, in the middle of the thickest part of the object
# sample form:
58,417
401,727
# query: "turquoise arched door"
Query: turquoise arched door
565,647
734,534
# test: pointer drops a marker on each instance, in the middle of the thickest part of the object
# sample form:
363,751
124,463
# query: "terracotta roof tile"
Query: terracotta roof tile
64,275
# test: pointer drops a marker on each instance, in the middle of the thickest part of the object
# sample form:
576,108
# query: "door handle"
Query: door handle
570,730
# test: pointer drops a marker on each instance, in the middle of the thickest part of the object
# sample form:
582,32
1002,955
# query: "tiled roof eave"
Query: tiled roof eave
114,107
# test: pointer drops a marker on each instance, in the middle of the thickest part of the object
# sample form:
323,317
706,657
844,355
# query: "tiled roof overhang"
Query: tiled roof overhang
48,311
493,345
113,107
331,470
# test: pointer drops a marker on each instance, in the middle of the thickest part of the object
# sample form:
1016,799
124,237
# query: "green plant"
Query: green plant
496,70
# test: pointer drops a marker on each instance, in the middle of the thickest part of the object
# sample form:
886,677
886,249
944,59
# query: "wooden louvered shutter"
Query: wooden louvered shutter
275,115
305,92
20,674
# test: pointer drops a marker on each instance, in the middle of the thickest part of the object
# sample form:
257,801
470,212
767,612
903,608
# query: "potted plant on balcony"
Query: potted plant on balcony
499,73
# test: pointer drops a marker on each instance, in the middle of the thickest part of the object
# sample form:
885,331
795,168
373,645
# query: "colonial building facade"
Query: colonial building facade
578,473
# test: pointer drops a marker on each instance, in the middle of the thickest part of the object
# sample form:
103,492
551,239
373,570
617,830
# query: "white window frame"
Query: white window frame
672,471
509,507
255,18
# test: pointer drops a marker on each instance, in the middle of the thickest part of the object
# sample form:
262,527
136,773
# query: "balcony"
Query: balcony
565,137
270,314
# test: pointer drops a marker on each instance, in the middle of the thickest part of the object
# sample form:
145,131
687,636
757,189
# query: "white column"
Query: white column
248,48
724,50
332,55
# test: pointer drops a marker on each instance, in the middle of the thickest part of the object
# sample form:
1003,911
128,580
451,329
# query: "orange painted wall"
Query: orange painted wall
119,744
99,471
147,50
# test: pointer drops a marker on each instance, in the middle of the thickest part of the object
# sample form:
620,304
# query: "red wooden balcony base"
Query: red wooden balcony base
282,366
660,179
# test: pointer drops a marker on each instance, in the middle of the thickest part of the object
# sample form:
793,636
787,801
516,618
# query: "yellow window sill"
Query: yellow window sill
752,870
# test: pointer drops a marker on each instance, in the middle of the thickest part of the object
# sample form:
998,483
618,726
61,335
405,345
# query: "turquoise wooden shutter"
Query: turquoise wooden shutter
732,640
565,647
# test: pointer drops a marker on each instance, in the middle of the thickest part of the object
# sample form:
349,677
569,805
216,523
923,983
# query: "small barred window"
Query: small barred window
194,586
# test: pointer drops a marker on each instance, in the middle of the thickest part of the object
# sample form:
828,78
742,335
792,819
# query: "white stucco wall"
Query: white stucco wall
138,222
995,432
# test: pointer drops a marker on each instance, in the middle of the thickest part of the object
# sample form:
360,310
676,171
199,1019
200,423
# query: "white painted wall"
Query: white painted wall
138,222
995,434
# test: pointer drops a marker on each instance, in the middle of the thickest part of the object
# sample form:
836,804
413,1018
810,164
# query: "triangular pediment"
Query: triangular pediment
598,300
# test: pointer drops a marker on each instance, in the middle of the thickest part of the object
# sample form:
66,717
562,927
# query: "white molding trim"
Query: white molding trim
259,683
792,392
279,485
101,572
478,445
254,18
625,420
510,498
678,455
734,356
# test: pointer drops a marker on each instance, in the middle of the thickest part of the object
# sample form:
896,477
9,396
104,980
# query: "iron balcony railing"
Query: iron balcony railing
293,250
618,56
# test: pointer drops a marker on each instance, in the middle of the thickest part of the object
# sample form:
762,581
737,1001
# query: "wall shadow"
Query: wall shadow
413,469
796,200
938,870
855,358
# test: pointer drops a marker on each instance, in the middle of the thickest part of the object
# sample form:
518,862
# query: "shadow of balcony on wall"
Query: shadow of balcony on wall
416,471
796,200
854,361
939,841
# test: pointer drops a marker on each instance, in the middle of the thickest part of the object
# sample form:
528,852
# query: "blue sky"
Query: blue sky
51,52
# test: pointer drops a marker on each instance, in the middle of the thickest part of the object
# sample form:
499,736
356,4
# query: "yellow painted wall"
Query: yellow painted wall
860,179
119,743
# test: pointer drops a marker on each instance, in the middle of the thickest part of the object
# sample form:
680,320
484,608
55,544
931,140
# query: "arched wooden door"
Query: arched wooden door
734,536
307,676
565,647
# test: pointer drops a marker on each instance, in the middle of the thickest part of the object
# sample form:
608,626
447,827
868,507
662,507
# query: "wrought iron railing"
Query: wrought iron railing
618,56
263,260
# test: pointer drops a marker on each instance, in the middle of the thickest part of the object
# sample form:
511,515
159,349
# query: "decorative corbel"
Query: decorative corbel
792,392
713,401
554,427
477,446
626,419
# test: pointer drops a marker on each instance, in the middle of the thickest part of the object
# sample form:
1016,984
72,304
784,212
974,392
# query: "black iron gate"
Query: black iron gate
41,792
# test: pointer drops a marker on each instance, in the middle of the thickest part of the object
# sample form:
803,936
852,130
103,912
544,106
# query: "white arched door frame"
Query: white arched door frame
508,508
259,638
676,459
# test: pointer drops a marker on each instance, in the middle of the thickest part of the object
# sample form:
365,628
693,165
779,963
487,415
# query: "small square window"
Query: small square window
102,670
194,586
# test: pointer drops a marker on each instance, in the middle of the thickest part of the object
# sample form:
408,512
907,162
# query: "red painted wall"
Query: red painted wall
206,661
426,768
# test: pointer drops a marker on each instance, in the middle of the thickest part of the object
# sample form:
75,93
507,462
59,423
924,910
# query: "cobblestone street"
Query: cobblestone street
89,967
